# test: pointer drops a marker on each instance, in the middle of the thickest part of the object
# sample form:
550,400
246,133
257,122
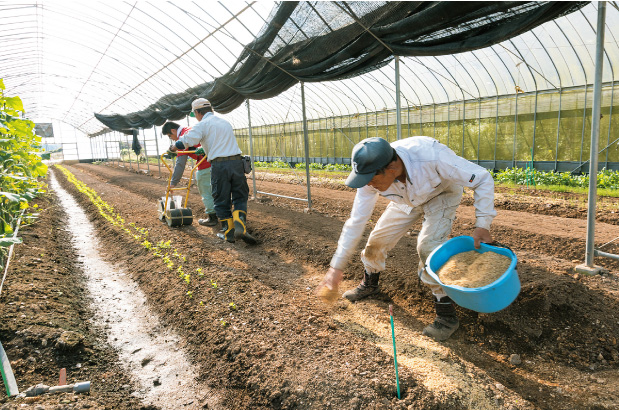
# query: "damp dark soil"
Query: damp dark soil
253,326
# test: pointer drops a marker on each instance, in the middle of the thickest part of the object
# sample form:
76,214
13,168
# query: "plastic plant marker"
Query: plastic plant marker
63,377
395,359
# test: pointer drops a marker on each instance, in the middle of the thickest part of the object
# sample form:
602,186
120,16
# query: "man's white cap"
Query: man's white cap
200,103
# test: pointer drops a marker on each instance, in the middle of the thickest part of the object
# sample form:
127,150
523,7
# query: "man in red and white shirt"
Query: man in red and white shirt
203,174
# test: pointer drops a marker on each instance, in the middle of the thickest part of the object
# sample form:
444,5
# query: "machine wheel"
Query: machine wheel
179,217
161,210
187,216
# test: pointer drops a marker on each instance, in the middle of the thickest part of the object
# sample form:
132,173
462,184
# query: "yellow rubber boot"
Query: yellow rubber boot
240,228
227,230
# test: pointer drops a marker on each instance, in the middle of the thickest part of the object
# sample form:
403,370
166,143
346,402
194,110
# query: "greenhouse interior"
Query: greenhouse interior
120,291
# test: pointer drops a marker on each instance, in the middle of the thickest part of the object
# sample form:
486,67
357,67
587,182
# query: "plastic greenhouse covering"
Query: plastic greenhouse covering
501,83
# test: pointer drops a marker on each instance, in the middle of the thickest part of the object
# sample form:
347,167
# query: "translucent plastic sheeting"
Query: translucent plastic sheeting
68,60
328,41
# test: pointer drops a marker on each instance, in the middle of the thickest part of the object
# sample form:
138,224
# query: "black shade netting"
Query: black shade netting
326,41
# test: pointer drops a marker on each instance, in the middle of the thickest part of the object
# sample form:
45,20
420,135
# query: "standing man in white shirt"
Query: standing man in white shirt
228,179
423,179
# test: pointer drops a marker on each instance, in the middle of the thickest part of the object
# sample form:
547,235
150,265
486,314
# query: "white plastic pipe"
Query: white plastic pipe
7,374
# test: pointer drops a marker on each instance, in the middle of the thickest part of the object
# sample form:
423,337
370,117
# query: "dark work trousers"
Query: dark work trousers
229,187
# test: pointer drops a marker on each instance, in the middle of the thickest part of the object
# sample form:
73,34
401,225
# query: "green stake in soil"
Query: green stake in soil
395,359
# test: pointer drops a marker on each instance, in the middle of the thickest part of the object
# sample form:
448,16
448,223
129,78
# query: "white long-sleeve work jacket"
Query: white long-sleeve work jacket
215,135
431,167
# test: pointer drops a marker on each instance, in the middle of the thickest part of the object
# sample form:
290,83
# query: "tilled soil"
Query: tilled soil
262,338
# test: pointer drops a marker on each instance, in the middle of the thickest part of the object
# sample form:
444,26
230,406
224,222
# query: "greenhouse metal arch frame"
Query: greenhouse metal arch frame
470,100
554,164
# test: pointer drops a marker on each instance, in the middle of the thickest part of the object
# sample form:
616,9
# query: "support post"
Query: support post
251,152
107,155
137,156
128,150
157,148
397,99
515,133
589,267
306,140
145,151
77,150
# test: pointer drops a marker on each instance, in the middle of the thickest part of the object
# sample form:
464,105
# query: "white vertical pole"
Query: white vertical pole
397,98
7,374
306,138
157,147
251,152
107,155
595,133
145,150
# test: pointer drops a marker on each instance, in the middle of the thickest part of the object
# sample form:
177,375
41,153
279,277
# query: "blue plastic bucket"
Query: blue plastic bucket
486,299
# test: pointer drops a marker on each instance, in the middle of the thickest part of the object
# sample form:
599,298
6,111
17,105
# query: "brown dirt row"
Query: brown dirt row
44,303
283,349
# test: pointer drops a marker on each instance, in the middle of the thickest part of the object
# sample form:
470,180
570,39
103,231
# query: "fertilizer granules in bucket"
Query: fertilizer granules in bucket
473,269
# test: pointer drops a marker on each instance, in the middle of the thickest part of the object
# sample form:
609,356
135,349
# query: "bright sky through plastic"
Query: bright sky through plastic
119,57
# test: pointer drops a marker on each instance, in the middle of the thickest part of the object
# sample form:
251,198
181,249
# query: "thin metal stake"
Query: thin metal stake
395,358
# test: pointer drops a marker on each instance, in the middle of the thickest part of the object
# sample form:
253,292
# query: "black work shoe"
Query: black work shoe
367,287
210,221
442,328
446,321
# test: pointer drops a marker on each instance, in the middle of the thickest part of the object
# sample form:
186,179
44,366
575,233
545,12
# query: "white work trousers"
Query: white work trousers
438,215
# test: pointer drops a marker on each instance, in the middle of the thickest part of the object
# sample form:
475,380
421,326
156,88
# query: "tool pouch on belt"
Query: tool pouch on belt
246,163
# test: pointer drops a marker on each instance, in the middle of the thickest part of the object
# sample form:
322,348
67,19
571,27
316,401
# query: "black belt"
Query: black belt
233,157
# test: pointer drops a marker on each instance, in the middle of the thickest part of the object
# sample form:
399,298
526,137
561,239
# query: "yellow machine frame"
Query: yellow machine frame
166,211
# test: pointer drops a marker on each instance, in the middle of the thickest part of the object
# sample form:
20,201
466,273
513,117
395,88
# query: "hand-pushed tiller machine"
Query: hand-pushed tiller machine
171,207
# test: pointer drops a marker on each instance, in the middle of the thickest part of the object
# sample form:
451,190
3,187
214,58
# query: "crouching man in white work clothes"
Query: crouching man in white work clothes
423,179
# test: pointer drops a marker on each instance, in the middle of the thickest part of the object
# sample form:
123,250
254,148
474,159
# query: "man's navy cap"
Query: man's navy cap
368,156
